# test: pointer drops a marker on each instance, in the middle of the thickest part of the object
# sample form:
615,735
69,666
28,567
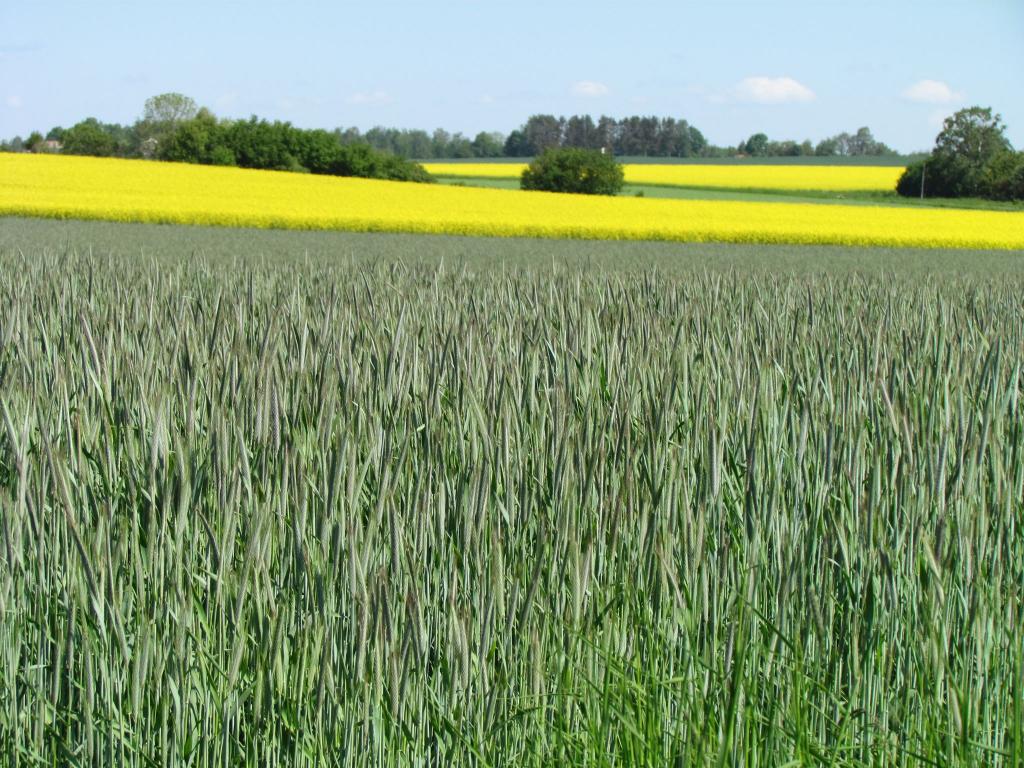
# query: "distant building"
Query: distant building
149,148
50,145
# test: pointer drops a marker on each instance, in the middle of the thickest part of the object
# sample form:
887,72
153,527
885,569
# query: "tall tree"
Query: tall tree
439,142
162,114
544,132
517,145
607,132
974,135
581,132
488,144
969,159
756,145
968,141
170,108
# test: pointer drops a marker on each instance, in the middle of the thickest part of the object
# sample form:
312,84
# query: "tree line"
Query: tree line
859,144
650,136
174,128
972,156
635,136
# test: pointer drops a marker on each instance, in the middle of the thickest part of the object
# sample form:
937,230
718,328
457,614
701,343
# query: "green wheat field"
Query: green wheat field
300,499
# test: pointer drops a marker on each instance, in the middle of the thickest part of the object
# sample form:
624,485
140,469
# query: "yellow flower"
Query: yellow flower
138,190
823,178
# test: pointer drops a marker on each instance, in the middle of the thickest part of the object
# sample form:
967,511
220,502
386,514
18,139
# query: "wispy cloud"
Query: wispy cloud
771,90
370,97
932,92
14,102
589,88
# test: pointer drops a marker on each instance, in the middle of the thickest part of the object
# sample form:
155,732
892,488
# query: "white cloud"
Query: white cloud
14,102
486,99
772,90
931,92
589,88
370,97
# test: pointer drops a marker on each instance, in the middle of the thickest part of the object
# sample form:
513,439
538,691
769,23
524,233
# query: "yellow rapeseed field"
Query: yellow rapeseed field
137,190
819,178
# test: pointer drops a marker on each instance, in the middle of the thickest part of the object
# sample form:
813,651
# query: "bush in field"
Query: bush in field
365,161
583,171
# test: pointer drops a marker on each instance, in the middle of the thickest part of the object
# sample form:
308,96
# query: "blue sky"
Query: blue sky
791,68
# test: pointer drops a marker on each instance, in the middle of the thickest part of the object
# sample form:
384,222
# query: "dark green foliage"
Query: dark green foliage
973,135
265,145
909,183
364,161
316,150
582,171
199,140
634,136
422,145
460,147
544,132
972,158
637,136
261,144
1003,178
33,141
197,136
517,145
827,147
487,145
860,144
756,145
89,138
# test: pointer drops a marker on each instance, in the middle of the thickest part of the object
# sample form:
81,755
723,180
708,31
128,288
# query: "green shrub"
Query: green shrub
88,138
221,155
909,184
364,161
198,140
583,171
1003,177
